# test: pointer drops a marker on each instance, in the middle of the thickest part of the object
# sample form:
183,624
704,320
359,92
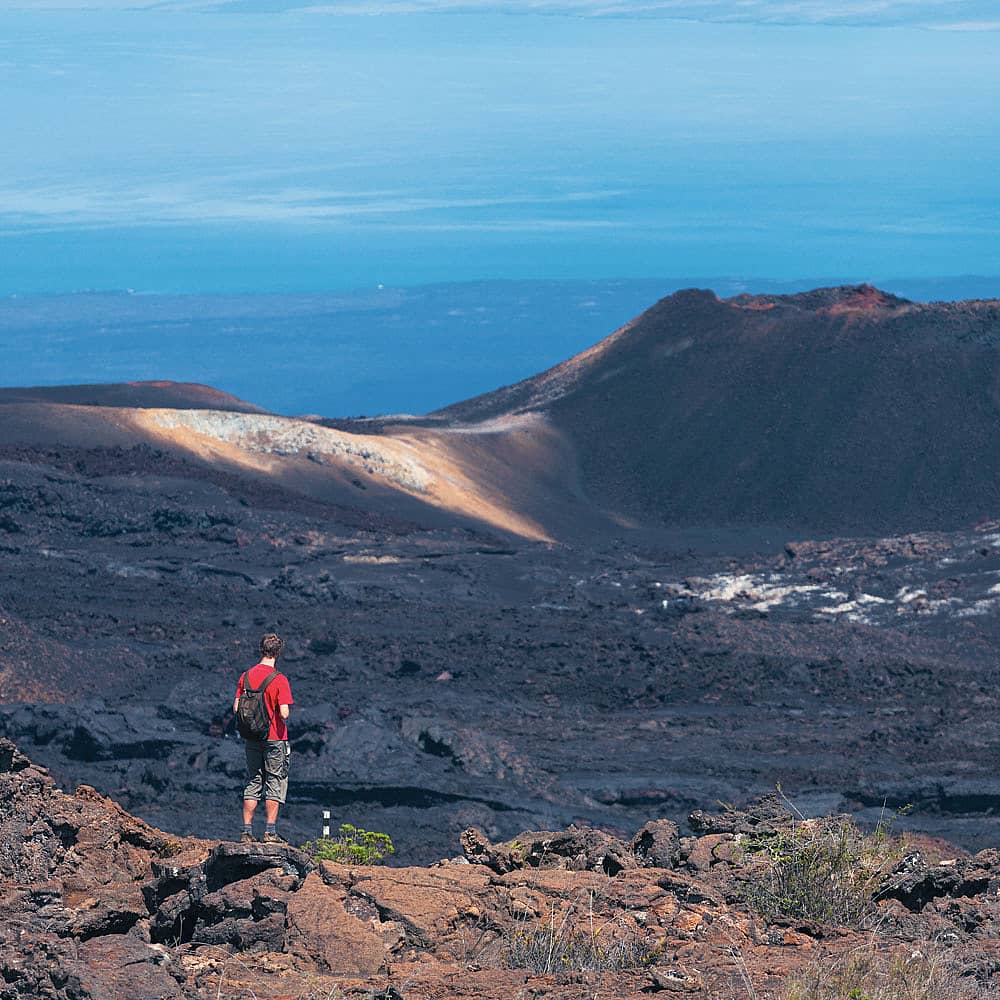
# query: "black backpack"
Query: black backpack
252,718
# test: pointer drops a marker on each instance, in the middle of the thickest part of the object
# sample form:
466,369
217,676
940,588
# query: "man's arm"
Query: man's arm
236,704
284,696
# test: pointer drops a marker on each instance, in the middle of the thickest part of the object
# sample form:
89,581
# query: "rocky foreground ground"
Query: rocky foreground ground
100,905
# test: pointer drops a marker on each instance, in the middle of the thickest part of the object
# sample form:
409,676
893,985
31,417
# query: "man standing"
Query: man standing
266,700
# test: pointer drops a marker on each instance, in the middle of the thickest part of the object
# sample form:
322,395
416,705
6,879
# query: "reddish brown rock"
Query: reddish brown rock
764,815
320,932
426,903
118,967
708,851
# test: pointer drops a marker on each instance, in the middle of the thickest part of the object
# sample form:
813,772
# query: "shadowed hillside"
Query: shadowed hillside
839,409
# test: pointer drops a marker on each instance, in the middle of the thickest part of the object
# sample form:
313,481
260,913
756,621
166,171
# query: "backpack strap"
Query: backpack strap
267,680
263,688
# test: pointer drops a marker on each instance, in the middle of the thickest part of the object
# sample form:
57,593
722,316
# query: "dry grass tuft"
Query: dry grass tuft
576,941
926,972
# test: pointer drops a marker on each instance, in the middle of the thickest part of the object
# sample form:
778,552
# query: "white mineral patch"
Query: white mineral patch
762,595
780,595
128,571
945,604
838,609
848,607
976,609
284,436
971,594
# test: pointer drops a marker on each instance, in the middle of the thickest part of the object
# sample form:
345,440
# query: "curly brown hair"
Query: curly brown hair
271,644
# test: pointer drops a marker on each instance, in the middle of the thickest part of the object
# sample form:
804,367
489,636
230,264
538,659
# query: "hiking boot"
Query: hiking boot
273,838
247,838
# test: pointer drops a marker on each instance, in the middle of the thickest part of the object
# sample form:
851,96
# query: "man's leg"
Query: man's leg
254,787
275,785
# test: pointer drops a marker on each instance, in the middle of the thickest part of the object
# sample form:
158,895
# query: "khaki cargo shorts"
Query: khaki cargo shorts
267,770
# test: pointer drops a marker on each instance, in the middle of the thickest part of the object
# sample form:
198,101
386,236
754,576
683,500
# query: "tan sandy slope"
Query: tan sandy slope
483,476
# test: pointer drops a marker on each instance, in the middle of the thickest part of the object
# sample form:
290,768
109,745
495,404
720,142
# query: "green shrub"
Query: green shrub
826,871
352,846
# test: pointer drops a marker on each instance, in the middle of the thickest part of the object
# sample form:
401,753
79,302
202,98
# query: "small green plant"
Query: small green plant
351,846
169,849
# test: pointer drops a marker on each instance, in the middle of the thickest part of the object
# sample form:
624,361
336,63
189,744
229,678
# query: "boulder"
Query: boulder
423,905
230,863
120,967
96,910
320,933
708,851
915,884
657,844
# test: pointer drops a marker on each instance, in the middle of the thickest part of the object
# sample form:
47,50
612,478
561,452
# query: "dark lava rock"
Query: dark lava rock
440,686
576,849
216,900
657,844
230,863
765,815
916,884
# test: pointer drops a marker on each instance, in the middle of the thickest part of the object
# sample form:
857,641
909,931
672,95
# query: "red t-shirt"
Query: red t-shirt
278,693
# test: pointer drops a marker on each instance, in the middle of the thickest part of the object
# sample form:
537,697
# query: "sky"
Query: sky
952,14
291,145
